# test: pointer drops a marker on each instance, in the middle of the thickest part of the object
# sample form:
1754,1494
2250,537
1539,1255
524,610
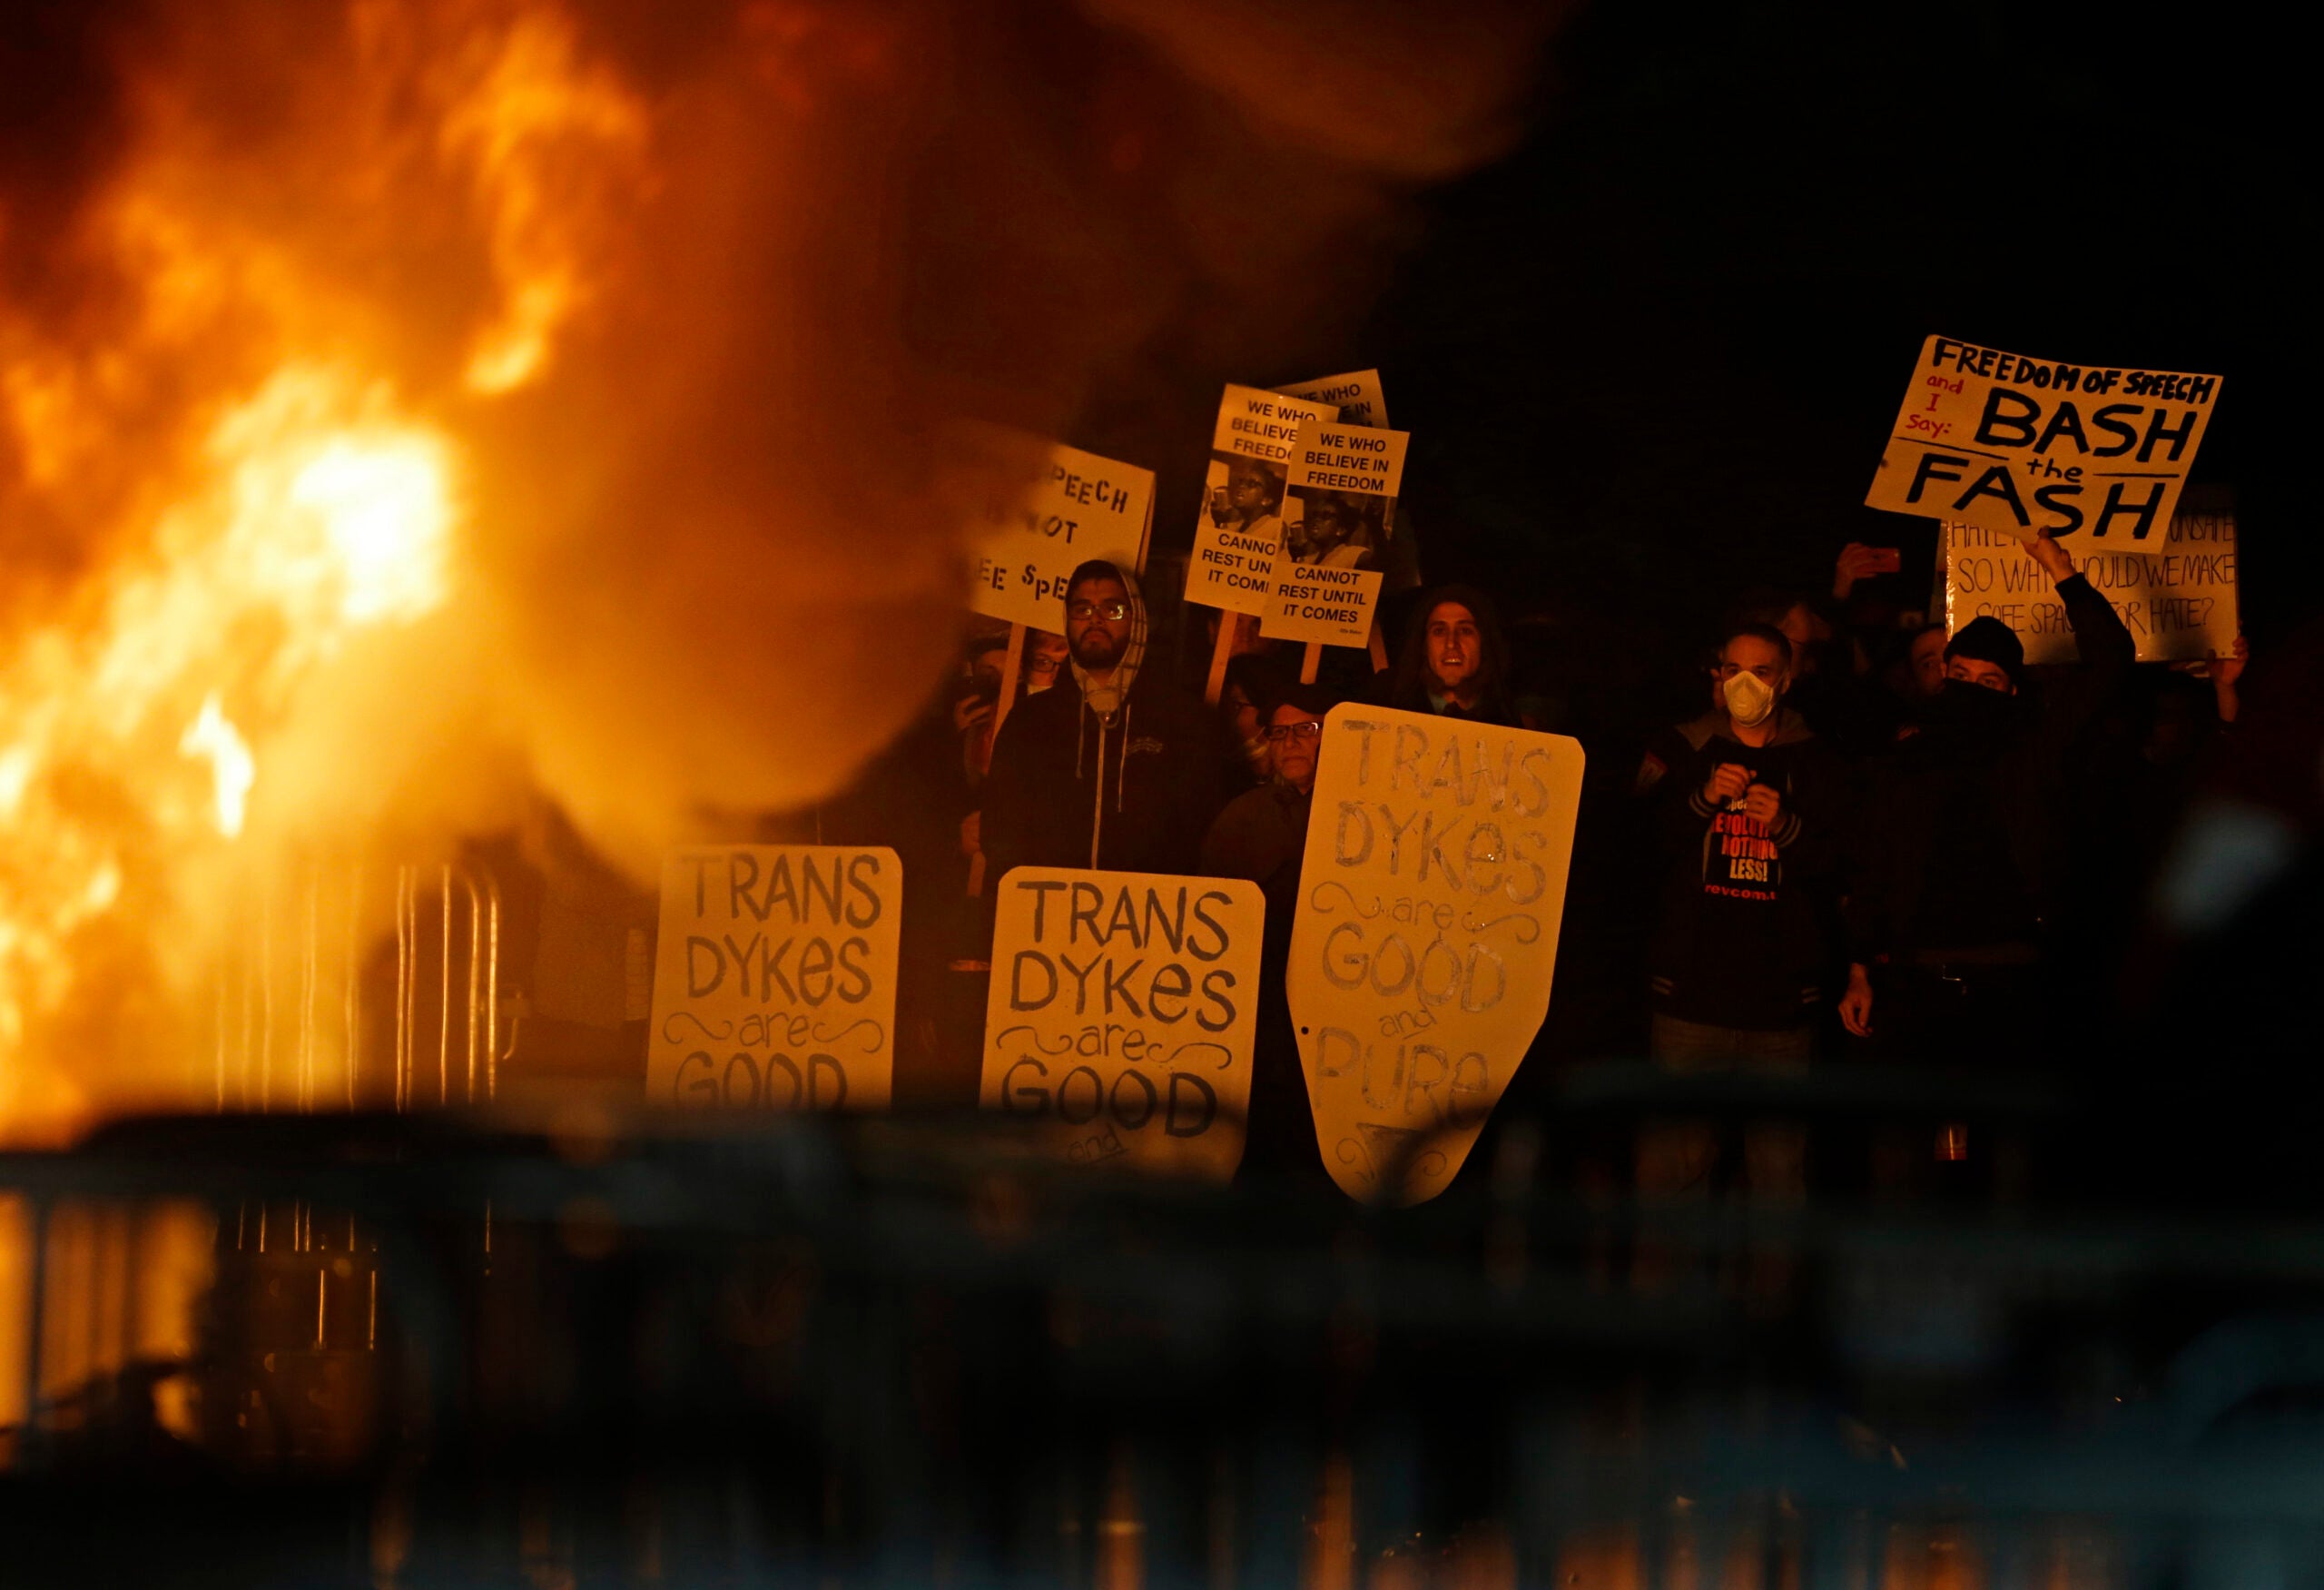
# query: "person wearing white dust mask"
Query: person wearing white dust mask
1749,816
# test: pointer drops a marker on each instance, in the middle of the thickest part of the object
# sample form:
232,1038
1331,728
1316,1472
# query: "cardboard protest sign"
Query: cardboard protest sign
1430,898
1323,607
1340,506
774,978
2022,445
2178,600
1357,393
1121,1015
1080,506
1241,525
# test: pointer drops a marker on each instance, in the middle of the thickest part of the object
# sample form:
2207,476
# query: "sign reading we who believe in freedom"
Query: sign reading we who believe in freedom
2027,445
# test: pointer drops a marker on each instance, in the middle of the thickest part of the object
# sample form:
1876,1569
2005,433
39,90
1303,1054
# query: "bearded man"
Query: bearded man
1114,768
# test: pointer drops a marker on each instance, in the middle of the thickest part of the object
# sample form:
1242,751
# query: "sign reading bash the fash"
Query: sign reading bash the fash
1241,525
1343,485
2178,600
2023,445
1121,1015
1430,897
1080,506
774,978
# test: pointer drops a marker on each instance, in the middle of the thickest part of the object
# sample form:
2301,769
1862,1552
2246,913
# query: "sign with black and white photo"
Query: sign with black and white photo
1240,528
1340,499
1121,1015
2021,446
774,978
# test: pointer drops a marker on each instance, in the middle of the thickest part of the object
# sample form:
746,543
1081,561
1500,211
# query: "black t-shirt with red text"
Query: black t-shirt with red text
1747,924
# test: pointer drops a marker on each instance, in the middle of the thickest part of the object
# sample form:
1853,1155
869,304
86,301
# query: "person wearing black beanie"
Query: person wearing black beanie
1958,856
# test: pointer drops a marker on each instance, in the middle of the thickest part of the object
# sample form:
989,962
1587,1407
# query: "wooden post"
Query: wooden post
1012,663
1220,651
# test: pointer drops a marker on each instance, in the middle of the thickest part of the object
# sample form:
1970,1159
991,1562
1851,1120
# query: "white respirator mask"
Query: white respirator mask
1748,699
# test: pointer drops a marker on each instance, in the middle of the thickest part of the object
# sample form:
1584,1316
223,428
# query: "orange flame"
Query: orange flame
466,402
270,494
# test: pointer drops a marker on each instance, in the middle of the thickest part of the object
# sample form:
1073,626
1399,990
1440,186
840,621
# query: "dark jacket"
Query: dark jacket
1148,782
1963,836
1261,835
1747,918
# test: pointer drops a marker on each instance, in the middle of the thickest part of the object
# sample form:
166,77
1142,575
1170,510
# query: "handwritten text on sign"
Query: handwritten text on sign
1121,1014
2024,445
774,978
1240,528
1430,897
2178,600
1080,506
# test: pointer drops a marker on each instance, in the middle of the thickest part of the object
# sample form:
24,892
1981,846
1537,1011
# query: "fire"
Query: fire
211,736
258,480
417,414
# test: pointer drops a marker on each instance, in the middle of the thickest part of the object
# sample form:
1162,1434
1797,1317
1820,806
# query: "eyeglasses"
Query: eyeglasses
1294,731
1083,612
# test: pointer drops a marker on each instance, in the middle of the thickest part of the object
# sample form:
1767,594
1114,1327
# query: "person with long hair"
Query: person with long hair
1453,661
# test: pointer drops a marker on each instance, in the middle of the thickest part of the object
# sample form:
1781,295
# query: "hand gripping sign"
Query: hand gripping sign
1430,897
1121,1015
774,978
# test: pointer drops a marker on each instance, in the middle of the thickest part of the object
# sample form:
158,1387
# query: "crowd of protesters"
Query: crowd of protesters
1874,841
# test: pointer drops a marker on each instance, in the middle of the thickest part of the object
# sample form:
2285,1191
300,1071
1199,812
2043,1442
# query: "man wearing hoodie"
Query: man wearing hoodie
1747,817
1964,837
1748,829
1114,768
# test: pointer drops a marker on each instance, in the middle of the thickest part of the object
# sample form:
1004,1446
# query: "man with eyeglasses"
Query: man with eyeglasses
1261,835
1115,766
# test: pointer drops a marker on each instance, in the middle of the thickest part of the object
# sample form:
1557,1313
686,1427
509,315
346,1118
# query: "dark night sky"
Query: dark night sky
1653,356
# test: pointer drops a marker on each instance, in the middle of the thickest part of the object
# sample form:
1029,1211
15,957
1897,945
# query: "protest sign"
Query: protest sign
774,978
2178,600
1121,1015
1078,507
1340,496
2022,445
1430,897
1357,393
1241,525
1323,607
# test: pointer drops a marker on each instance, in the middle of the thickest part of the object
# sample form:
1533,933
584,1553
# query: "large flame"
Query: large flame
256,480
414,408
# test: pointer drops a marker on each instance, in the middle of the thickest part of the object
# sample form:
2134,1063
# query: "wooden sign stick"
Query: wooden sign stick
1309,662
1220,651
1379,647
1011,662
